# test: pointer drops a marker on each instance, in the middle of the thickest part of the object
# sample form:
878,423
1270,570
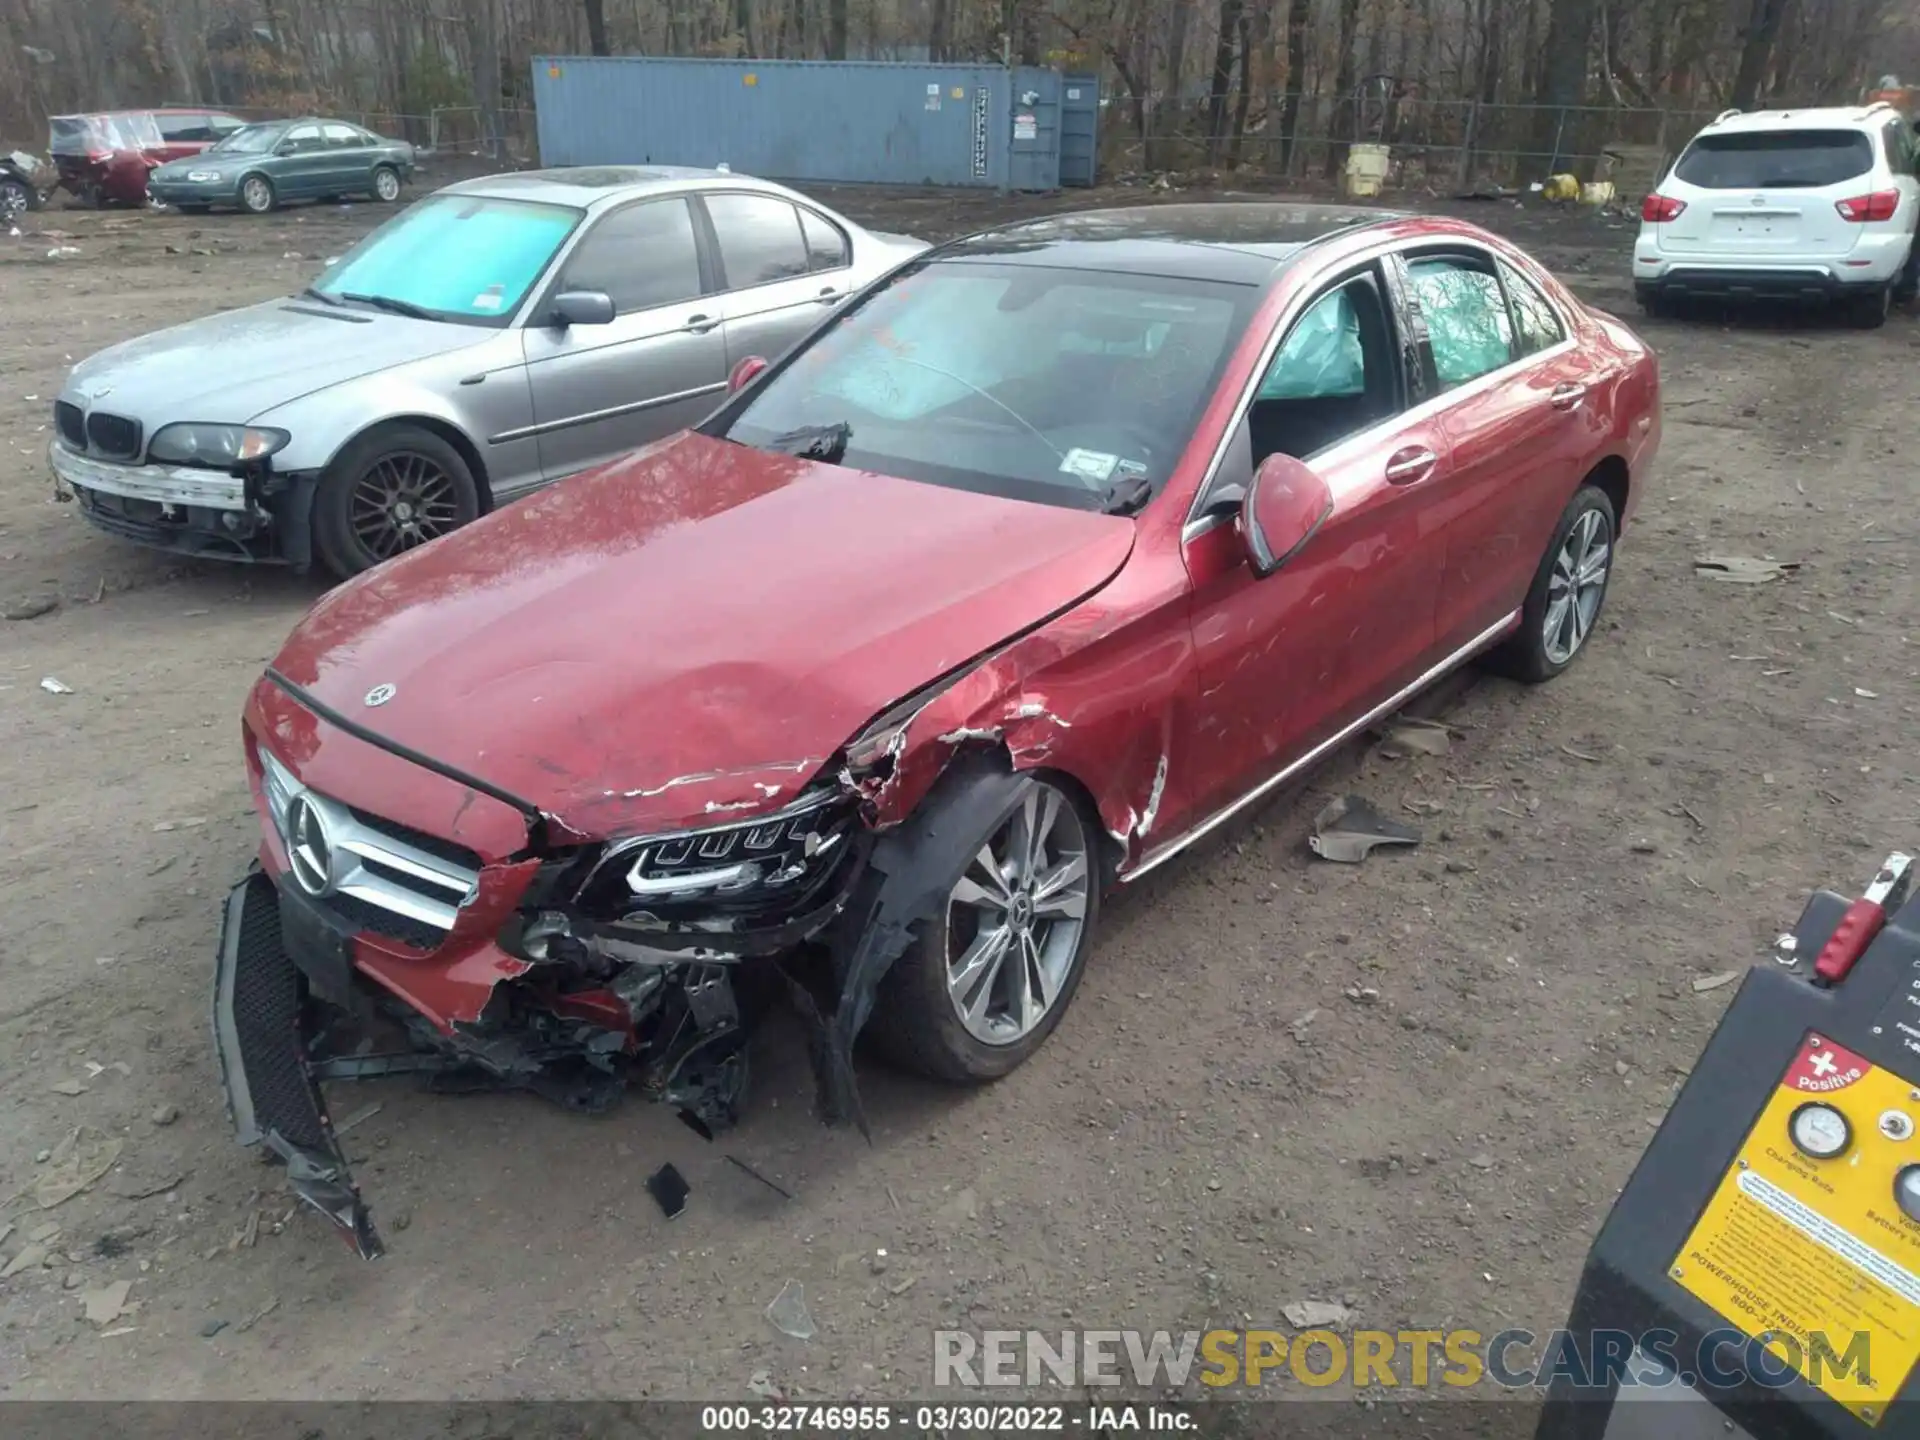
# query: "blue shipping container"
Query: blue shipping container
848,122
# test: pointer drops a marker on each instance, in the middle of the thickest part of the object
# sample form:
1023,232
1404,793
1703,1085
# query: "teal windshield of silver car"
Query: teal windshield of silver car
463,258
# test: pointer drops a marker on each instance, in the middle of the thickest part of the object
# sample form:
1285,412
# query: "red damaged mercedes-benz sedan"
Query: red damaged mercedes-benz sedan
1045,556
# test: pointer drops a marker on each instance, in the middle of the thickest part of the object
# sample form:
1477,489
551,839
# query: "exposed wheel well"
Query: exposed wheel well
1611,476
1111,851
454,436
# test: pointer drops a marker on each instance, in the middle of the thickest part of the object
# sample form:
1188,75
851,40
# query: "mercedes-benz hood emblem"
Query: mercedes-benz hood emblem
380,694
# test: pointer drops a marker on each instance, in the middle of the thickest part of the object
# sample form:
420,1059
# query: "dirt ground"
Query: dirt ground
1413,1086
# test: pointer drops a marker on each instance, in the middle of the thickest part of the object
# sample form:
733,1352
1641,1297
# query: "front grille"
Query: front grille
378,875
114,437
71,424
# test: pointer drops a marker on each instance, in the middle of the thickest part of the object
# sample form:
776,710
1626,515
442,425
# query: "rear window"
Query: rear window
70,134
1776,160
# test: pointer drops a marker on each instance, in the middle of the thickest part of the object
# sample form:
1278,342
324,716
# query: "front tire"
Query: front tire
1569,589
987,978
257,195
16,198
386,184
391,490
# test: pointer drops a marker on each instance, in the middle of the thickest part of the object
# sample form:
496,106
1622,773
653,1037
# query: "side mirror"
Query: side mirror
582,307
745,373
1287,503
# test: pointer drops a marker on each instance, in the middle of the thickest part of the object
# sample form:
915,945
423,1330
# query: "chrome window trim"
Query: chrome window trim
1156,858
1198,522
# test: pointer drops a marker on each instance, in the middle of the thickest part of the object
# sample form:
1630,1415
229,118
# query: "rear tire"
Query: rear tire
1567,596
389,491
1869,311
1906,287
1045,910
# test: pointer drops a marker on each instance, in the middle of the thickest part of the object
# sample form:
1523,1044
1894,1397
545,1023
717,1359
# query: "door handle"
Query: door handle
700,324
1416,462
1566,395
828,296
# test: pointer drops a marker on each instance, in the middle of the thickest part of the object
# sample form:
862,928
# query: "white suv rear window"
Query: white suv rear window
1776,159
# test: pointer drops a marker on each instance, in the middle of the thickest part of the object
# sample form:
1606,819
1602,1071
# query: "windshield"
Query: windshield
1040,383
1776,160
457,257
248,140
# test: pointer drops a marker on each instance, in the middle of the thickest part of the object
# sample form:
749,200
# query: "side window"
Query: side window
1536,325
184,129
1321,357
1467,321
1899,148
1334,375
642,256
343,137
305,139
760,239
223,125
826,246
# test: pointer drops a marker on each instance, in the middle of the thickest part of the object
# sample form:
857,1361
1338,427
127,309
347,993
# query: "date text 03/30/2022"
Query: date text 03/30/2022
941,1419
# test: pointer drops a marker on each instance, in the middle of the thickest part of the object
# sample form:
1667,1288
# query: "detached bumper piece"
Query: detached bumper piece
259,1019
1759,1276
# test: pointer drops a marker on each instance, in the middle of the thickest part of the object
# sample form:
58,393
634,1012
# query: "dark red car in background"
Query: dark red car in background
1047,555
105,156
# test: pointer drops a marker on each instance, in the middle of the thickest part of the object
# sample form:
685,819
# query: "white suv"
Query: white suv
1787,203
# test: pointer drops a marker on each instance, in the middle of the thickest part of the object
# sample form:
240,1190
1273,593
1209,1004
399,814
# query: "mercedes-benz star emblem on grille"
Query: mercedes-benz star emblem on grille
380,694
309,852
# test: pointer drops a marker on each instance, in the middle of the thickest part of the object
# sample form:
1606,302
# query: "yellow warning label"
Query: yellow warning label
1805,1245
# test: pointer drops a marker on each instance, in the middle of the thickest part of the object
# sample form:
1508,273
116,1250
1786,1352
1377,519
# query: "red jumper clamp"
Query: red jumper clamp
1863,920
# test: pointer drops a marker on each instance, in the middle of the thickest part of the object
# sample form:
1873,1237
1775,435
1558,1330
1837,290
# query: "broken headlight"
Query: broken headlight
772,862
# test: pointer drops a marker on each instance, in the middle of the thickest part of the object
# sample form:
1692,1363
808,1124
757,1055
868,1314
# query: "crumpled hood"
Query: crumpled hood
690,632
230,367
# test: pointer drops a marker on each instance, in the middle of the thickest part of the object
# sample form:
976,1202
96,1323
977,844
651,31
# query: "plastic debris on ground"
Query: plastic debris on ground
55,687
669,1189
1349,829
77,1162
788,1313
1743,569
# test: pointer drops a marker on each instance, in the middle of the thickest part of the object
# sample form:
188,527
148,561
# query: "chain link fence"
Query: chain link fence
1436,143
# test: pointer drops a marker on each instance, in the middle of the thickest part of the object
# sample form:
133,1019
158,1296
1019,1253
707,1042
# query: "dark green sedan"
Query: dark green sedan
261,167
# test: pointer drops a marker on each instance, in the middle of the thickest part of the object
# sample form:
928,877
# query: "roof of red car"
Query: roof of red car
1243,242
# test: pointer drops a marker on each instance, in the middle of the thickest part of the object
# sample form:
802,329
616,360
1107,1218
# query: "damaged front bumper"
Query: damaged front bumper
260,1025
262,518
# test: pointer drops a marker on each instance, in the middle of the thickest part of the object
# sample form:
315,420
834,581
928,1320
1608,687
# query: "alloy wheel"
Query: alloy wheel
1016,918
402,500
1576,586
386,185
257,195
14,201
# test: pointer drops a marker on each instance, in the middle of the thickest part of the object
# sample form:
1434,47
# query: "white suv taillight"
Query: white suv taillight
1659,209
1862,208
